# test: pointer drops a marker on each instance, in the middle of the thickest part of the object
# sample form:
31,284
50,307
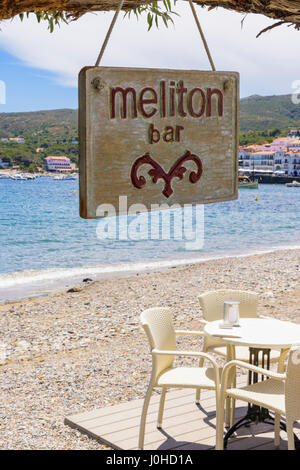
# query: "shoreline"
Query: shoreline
11,174
25,285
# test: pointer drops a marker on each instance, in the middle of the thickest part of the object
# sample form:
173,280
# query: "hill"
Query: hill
261,113
57,122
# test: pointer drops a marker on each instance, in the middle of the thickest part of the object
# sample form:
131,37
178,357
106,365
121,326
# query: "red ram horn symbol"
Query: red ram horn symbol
157,172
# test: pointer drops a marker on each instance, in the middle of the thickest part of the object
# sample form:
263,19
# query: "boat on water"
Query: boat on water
58,177
20,177
294,184
23,177
64,177
30,177
70,177
245,182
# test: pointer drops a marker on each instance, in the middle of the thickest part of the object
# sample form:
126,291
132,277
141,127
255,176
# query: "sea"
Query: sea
45,245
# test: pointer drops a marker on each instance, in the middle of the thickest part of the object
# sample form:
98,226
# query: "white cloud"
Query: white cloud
268,65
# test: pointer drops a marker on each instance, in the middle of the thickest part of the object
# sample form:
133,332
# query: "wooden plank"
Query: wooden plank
181,422
184,418
169,437
186,426
179,409
171,416
174,398
156,136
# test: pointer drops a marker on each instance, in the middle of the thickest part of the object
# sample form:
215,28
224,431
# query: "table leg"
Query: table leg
230,357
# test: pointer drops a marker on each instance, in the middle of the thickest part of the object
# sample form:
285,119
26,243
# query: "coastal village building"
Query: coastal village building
282,156
59,164
293,163
18,140
294,145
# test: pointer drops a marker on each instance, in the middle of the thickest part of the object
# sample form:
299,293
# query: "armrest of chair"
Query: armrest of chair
189,333
251,367
204,322
173,352
265,317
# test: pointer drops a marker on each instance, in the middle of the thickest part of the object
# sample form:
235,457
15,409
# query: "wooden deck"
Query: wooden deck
186,426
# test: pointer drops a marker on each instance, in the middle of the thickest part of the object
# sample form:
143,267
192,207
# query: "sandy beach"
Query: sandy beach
83,348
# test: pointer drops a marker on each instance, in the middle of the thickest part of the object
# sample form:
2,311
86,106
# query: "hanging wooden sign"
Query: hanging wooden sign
157,137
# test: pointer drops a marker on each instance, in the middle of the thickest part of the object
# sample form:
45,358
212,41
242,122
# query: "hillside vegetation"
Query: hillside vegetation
59,123
261,113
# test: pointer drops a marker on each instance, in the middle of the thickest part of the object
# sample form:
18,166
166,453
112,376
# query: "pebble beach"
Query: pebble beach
83,348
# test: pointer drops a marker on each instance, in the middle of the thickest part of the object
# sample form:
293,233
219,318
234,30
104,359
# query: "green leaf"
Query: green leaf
154,11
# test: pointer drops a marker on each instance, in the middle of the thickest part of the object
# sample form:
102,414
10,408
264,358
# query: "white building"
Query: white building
19,140
282,162
262,160
294,133
60,164
281,143
294,144
293,163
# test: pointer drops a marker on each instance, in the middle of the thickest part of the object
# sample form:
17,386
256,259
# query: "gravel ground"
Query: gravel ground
76,351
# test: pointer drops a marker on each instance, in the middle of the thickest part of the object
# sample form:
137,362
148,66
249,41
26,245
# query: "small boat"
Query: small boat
70,177
20,177
30,176
65,177
58,177
294,184
245,182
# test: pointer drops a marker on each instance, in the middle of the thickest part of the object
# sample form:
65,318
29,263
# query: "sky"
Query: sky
40,68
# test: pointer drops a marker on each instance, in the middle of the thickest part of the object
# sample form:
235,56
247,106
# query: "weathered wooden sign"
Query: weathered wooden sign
156,136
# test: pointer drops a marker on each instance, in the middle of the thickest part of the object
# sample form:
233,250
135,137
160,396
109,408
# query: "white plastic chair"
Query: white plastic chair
212,304
280,394
158,325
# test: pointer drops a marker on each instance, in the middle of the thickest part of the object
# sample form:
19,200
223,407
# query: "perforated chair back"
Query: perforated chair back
158,325
212,303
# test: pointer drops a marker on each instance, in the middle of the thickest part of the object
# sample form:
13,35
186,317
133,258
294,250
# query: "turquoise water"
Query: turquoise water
41,231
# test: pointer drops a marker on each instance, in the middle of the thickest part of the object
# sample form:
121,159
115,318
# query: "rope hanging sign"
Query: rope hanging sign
156,136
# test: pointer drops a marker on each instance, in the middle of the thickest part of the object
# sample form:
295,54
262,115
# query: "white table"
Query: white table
260,335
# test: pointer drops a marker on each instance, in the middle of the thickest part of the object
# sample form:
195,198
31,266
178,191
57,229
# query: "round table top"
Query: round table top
258,332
